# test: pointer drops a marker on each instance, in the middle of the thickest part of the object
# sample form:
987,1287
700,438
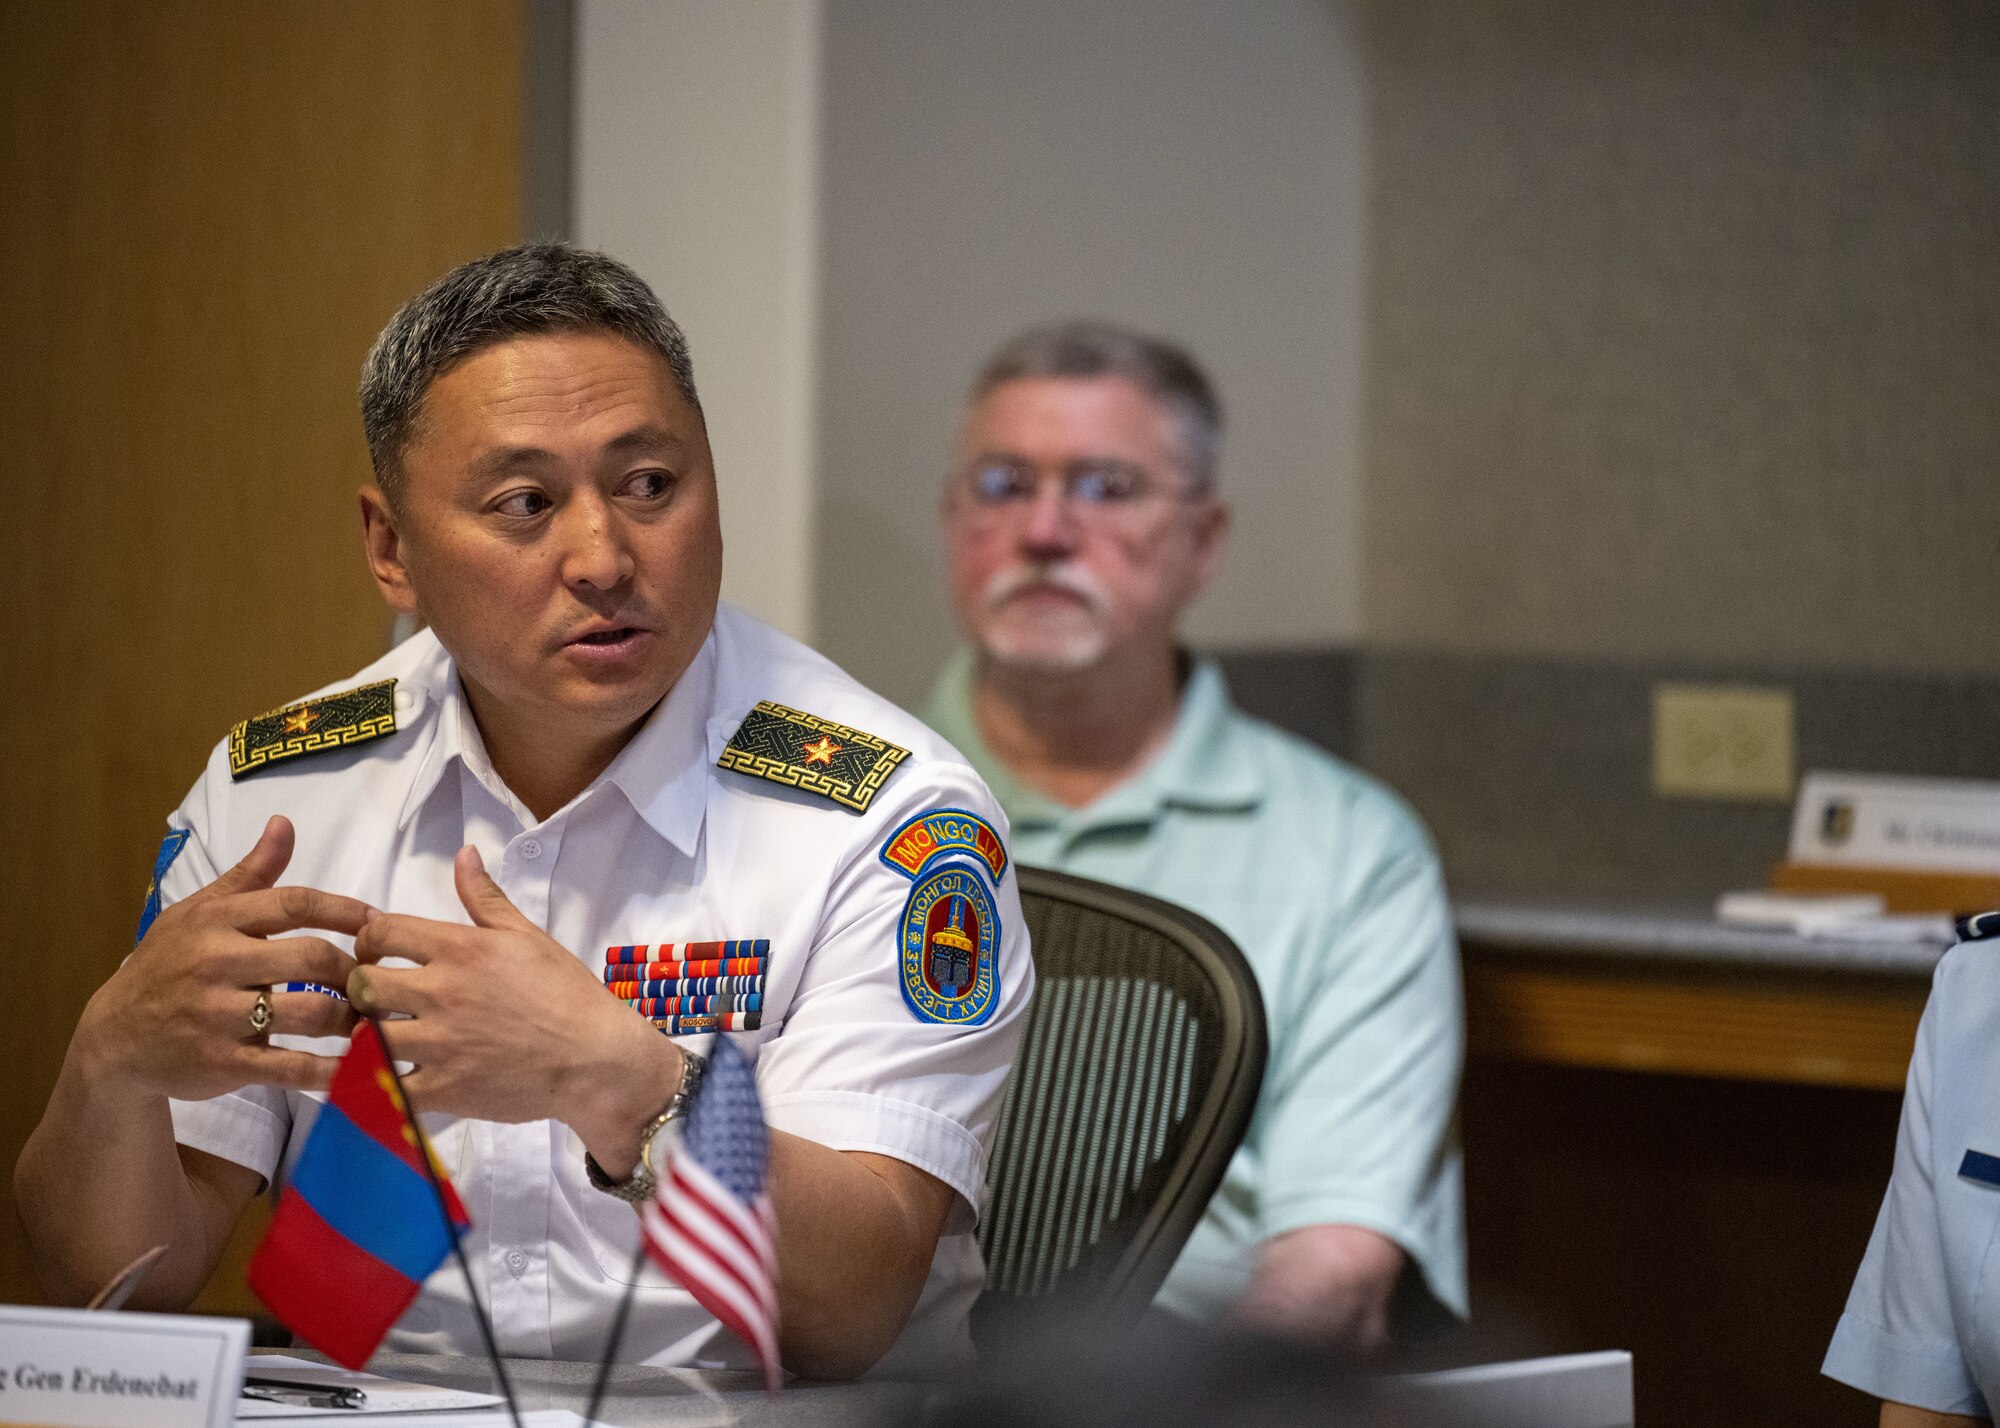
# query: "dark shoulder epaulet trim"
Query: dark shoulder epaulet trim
1978,926
312,726
813,754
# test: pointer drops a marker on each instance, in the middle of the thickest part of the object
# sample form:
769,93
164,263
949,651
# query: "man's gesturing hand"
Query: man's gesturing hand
174,1020
506,1025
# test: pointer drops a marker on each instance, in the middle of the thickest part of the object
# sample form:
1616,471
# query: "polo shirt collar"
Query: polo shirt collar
662,772
1207,763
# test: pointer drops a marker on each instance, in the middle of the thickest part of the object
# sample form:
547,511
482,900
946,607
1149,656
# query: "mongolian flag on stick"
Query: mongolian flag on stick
361,1223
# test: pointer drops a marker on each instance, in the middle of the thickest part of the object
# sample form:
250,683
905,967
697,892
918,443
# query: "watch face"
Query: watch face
664,1140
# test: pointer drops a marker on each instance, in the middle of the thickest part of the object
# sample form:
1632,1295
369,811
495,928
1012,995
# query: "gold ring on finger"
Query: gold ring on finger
260,1014
360,991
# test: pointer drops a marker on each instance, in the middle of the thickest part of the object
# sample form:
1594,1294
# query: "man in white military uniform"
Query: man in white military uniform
582,761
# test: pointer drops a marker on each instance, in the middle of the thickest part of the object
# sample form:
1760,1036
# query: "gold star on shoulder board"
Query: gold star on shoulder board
313,726
845,765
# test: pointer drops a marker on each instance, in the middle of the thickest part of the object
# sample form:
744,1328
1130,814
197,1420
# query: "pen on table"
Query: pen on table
277,1390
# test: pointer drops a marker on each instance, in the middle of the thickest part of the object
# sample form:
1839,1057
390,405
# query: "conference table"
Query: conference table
643,1397
1574,1391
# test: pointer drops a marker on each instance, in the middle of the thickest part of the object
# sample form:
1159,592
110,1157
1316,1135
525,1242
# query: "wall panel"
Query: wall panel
211,209
1684,330
1187,167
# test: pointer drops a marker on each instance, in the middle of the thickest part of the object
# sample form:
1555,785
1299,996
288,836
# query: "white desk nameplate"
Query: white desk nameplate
70,1368
1876,820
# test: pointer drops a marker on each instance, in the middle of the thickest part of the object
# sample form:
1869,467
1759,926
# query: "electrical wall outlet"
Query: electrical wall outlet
1722,741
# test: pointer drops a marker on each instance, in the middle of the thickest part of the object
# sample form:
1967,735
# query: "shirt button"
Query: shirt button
532,849
517,1261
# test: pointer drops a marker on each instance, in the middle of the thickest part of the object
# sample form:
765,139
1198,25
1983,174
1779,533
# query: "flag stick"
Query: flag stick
617,1329
451,1230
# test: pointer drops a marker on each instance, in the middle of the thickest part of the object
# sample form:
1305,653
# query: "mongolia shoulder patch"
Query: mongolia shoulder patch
812,754
312,726
939,832
950,941
170,849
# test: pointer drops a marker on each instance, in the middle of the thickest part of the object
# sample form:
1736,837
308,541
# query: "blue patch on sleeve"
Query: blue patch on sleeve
170,849
950,947
1980,1166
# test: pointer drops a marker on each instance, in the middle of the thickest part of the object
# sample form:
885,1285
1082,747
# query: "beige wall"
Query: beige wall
696,160
1684,330
848,204
1652,331
1187,166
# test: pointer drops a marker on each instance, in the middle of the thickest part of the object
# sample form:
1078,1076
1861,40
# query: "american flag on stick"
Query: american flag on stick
710,1224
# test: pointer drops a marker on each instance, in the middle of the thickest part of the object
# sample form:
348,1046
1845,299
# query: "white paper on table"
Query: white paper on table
385,1395
1843,917
1892,927
1804,913
477,1419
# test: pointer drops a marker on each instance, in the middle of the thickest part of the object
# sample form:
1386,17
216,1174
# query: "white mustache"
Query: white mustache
1008,583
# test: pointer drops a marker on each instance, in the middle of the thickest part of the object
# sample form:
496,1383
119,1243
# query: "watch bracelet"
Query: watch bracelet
638,1186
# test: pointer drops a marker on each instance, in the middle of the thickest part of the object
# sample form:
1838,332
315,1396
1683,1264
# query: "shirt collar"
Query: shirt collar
662,771
434,681
1206,764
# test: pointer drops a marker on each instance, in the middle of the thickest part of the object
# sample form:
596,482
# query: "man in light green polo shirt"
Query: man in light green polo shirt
1080,519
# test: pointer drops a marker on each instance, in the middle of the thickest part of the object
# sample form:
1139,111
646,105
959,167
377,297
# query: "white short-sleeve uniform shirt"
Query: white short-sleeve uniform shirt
1922,1324
663,847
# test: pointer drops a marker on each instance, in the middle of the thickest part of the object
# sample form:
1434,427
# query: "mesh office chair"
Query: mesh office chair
1136,1079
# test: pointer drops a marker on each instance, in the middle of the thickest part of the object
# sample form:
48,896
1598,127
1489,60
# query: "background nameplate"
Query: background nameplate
1875,820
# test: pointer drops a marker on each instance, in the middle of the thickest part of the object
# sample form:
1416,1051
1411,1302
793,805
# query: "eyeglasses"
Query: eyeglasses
1095,487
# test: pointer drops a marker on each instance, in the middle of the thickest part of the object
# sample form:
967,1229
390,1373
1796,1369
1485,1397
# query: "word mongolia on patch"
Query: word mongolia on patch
950,941
699,986
313,726
812,754
944,830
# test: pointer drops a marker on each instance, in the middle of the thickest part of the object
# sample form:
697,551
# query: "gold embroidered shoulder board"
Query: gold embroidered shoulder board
816,755
312,726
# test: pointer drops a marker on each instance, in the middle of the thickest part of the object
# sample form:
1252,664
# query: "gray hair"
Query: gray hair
1100,349
518,292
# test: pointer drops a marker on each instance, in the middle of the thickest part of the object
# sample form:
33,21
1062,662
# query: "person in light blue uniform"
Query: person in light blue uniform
1080,520
1922,1326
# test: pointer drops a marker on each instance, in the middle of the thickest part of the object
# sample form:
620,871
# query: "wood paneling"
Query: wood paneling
1829,1029
1901,889
1709,1219
210,210
1710,1226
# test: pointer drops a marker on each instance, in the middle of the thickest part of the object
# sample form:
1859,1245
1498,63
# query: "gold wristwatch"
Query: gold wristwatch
638,1186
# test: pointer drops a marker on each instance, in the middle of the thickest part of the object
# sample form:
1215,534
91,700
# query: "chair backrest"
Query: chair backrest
1135,1083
